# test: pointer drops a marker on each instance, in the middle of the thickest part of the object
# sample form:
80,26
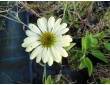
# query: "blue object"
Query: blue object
15,65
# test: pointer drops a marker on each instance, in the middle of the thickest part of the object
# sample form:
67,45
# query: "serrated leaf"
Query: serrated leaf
107,46
88,41
98,54
93,41
89,65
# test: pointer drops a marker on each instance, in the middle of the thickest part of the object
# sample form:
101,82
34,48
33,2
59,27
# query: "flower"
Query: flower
46,41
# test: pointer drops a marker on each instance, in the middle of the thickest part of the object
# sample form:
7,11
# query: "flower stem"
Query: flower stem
44,74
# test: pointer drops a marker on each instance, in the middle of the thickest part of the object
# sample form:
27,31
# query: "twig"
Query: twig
4,11
13,20
28,8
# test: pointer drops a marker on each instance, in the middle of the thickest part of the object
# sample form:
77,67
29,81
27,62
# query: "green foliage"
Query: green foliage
75,54
93,41
78,15
49,80
89,65
73,11
90,45
84,44
98,54
105,81
86,63
82,64
88,42
106,18
107,46
100,35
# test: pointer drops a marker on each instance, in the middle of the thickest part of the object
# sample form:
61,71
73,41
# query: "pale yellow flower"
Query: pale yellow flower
46,41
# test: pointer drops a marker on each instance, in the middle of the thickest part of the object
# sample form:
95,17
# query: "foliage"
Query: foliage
107,46
98,54
49,80
106,18
105,81
91,45
87,21
86,63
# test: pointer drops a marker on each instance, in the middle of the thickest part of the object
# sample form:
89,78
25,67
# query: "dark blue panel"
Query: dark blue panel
15,66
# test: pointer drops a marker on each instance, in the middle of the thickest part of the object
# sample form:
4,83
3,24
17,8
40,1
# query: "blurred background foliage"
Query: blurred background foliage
81,17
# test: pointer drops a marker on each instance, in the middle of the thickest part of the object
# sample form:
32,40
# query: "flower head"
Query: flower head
46,41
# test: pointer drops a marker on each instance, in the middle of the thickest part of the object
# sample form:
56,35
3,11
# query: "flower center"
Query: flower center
47,39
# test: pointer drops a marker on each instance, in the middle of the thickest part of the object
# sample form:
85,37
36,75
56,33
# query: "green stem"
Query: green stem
65,8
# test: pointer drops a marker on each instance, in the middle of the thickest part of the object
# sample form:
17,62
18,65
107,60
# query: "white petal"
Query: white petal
32,46
58,22
30,33
66,44
42,24
57,25
61,28
49,54
50,60
51,23
66,39
44,55
50,57
28,41
56,54
38,59
35,52
63,52
31,38
63,31
63,25
34,28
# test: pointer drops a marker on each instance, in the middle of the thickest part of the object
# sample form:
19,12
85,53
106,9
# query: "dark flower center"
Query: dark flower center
47,39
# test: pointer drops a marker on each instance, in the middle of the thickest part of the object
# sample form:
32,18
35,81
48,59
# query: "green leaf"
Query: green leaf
85,44
100,35
93,41
49,80
89,65
89,41
86,63
82,65
98,54
107,46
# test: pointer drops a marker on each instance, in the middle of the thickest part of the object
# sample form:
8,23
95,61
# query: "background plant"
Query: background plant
89,26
